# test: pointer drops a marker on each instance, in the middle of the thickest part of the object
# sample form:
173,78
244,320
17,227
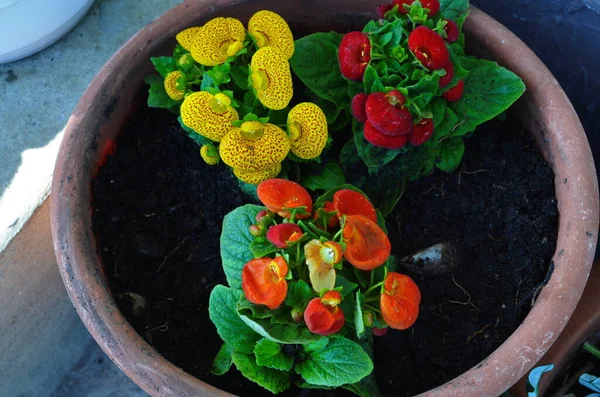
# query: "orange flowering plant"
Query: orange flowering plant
310,283
231,85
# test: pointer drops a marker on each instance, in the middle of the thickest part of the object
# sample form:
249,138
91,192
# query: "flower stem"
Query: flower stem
592,349
373,308
374,287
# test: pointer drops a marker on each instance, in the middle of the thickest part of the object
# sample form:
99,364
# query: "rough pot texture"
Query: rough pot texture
105,106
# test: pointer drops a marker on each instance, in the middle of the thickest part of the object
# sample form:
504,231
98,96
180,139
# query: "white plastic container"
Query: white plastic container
28,26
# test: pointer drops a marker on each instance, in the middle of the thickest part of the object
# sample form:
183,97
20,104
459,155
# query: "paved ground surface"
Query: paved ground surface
46,351
38,94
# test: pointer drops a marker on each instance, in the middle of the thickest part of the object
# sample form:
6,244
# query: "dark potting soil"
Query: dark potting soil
158,215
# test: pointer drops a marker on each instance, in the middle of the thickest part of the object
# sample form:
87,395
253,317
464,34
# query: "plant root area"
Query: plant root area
158,210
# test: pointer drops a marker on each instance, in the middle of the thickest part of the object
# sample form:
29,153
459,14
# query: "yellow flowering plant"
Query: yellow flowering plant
232,87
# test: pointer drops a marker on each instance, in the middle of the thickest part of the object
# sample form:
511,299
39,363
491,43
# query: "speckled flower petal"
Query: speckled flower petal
204,114
254,147
187,37
269,29
307,126
171,86
219,39
271,78
256,177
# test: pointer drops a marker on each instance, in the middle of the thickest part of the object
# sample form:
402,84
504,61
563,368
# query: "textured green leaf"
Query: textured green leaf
489,90
235,242
223,360
164,65
315,62
457,10
341,362
330,176
222,310
374,157
316,346
299,294
348,286
451,154
273,380
262,247
281,333
446,126
157,96
270,354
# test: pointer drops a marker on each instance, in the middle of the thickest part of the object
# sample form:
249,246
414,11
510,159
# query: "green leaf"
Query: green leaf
261,247
359,324
270,354
374,157
207,82
244,306
299,294
164,65
248,189
240,76
330,176
451,154
222,310
369,79
457,10
273,380
235,242
157,96
315,62
280,333
347,286
316,346
222,361
446,125
489,90
341,362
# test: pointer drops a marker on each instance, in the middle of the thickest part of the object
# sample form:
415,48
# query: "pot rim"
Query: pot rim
564,144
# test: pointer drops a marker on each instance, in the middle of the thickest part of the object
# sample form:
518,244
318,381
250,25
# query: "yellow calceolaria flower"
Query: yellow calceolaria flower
320,259
271,78
256,177
209,115
269,29
171,86
307,126
210,154
254,147
218,40
187,37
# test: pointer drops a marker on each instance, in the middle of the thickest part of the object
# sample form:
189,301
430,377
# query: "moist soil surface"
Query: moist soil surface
158,215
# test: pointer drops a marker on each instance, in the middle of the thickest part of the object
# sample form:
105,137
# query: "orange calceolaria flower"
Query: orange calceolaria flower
367,245
284,233
263,281
323,316
350,202
320,258
282,196
400,301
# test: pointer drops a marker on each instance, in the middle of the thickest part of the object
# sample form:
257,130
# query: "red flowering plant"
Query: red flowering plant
310,284
413,92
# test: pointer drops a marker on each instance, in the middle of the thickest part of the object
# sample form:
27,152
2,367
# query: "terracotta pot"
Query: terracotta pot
583,325
106,104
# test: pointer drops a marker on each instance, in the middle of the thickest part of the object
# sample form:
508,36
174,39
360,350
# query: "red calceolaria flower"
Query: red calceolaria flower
323,316
284,233
447,78
400,301
432,5
367,245
455,93
354,55
401,3
282,196
387,113
422,132
376,138
429,48
351,202
263,281
382,9
451,31
379,331
358,107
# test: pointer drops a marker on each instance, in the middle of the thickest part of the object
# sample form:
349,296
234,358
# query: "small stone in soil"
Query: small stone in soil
440,258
